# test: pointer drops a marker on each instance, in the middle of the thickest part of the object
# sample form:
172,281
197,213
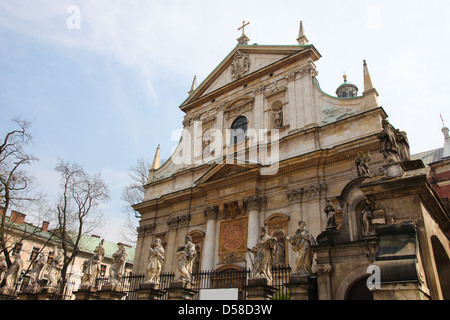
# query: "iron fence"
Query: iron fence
208,279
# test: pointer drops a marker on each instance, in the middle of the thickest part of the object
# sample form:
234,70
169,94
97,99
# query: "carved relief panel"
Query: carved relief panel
233,240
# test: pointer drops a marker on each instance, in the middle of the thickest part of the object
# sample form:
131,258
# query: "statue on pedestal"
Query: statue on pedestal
367,217
301,243
186,256
91,267
362,164
155,262
263,253
37,273
12,275
117,268
331,215
388,142
54,269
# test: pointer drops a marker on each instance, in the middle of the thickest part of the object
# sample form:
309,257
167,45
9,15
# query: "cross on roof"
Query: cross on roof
243,26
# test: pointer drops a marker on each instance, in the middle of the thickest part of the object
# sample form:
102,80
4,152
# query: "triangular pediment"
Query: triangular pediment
225,171
241,62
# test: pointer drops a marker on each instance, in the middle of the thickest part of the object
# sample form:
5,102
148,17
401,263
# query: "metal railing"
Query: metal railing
209,279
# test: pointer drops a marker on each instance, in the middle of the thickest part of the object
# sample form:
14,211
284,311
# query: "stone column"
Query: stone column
209,241
254,203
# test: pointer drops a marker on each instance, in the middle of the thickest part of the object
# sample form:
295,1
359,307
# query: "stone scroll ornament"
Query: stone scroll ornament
301,243
263,253
155,262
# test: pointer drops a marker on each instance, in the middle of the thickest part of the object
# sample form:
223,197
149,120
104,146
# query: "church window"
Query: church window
239,130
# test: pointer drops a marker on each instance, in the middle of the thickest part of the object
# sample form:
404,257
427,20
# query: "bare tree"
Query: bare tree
14,182
133,194
77,209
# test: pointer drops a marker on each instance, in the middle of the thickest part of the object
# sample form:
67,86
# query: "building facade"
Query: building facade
263,145
30,241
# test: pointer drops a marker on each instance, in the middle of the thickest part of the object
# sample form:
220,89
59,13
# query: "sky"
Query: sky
102,80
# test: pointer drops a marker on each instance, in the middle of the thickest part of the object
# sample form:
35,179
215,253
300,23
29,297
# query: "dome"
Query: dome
347,89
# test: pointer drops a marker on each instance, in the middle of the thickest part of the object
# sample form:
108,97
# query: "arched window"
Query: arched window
239,130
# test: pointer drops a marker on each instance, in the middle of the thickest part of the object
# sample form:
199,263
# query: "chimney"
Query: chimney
17,217
44,226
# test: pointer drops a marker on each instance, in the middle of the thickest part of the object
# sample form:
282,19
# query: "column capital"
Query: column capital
211,212
255,202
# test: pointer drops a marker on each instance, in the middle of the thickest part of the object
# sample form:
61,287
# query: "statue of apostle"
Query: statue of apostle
301,243
263,253
54,269
12,275
117,268
155,262
186,256
388,142
91,267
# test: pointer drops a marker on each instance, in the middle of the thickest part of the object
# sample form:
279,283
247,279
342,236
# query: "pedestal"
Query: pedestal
46,294
393,170
111,291
179,290
259,289
149,291
86,293
328,236
401,291
298,286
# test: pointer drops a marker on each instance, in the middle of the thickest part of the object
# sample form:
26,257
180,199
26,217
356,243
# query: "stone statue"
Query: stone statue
263,253
186,256
91,267
403,145
12,275
367,217
54,269
301,243
388,142
277,113
117,268
362,164
37,273
155,262
3,267
331,215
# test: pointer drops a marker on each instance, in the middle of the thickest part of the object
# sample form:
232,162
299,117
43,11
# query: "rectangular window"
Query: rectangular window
34,253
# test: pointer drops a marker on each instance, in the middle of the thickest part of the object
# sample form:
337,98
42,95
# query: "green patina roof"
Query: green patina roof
89,243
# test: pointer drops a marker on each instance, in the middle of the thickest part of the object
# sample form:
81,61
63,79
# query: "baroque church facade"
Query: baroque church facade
264,146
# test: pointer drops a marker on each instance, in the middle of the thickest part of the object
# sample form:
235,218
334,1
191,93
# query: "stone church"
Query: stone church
264,146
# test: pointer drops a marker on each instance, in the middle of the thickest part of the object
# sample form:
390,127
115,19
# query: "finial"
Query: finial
302,40
440,115
243,26
243,39
193,86
155,164
368,85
